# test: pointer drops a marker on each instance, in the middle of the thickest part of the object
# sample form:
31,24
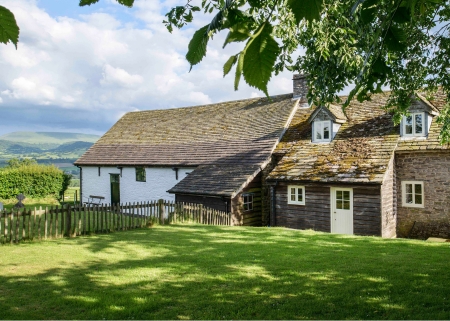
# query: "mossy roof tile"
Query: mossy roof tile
361,150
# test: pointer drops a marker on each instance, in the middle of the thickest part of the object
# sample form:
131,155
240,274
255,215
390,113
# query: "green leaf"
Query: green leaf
197,46
255,3
395,38
9,30
402,15
237,34
87,2
229,64
239,67
305,9
260,53
368,14
127,3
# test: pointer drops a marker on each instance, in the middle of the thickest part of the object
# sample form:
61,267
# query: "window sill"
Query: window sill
413,138
413,205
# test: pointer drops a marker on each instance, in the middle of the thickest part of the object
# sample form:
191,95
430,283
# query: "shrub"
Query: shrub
75,182
32,180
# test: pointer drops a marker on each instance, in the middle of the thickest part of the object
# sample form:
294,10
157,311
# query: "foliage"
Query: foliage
366,44
67,177
226,273
16,162
9,31
75,182
32,180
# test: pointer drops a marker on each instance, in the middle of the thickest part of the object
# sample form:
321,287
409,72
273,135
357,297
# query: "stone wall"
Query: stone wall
433,169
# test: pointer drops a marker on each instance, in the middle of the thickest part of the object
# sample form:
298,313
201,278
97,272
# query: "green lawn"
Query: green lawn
205,272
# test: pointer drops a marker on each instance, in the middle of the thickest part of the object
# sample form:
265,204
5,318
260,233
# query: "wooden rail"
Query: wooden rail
72,221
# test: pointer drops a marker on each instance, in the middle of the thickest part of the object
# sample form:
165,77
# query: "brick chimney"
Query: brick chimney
300,88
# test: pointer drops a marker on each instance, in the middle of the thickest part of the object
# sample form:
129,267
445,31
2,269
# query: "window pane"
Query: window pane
408,126
300,194
318,128
346,205
409,199
318,135
326,132
419,124
293,194
418,199
346,195
409,188
418,188
140,174
339,195
339,204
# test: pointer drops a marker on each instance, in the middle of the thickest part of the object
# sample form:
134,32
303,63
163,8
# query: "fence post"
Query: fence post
161,211
68,220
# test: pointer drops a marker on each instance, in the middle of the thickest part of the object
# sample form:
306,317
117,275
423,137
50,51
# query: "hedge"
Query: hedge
33,181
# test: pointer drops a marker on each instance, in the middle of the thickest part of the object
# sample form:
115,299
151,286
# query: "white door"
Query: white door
341,210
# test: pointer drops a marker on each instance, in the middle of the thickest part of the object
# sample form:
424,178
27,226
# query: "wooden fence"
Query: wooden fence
71,221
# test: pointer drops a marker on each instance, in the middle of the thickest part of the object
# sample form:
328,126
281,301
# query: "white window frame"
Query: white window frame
413,190
414,134
321,124
297,188
247,206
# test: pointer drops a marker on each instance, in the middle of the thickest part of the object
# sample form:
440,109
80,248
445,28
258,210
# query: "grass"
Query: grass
206,272
31,202
44,201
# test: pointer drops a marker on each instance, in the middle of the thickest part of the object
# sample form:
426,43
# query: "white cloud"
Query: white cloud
101,67
118,76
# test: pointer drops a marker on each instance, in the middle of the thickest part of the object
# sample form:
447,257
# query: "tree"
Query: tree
367,44
16,162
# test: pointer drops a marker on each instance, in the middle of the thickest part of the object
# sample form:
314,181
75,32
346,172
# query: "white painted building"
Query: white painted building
96,180
225,146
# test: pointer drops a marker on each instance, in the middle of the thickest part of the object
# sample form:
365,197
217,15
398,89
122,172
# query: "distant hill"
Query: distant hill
48,137
45,145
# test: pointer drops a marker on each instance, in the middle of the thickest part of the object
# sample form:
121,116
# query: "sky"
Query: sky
79,69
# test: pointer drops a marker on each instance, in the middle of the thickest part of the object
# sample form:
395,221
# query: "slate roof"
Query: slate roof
221,179
243,133
360,151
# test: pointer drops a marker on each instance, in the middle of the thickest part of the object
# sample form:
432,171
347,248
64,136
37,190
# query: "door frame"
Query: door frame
110,186
333,205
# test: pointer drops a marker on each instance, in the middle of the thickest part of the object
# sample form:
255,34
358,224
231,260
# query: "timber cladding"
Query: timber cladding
316,213
433,169
217,203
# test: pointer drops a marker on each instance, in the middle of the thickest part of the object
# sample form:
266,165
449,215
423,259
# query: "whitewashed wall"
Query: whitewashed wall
158,181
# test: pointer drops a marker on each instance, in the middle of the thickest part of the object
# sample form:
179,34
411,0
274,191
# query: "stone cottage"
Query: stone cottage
357,173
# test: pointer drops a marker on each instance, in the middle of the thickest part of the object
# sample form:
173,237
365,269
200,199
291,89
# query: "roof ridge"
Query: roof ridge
208,105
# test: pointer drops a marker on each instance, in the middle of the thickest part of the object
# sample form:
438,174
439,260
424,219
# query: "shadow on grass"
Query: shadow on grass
204,272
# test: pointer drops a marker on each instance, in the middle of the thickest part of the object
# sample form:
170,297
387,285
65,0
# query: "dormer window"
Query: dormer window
413,125
322,131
